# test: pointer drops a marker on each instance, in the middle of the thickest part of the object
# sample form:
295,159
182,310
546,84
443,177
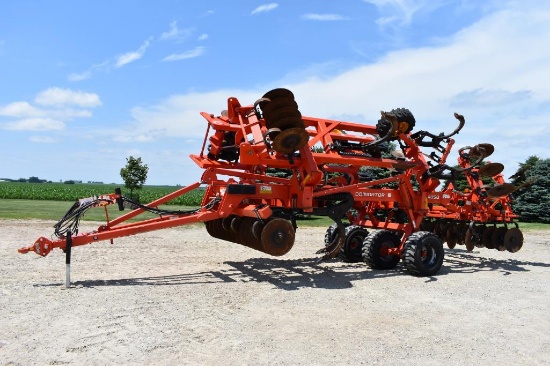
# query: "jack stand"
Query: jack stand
68,260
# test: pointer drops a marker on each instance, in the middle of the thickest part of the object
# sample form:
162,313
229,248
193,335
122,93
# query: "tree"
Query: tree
134,174
532,201
520,176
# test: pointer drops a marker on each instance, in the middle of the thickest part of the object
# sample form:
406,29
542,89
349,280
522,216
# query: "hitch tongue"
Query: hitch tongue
42,246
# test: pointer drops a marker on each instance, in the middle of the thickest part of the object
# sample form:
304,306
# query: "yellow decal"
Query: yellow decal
265,190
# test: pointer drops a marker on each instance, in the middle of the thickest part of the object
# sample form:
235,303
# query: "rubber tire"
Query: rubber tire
331,231
373,245
352,251
414,260
402,115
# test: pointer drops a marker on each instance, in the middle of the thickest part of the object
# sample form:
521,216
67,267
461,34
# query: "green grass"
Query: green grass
54,210
73,192
533,226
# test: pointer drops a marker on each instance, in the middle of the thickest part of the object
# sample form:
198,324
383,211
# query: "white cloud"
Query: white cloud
19,109
172,33
132,56
207,13
35,124
202,37
264,8
402,11
85,75
179,116
59,96
198,51
495,72
56,108
324,17
42,139
176,33
79,77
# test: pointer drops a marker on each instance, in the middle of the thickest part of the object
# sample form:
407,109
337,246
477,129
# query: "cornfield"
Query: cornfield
73,192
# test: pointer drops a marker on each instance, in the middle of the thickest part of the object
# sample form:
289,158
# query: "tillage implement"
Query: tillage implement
387,188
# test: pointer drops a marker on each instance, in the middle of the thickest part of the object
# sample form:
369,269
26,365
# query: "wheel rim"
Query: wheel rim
428,255
385,256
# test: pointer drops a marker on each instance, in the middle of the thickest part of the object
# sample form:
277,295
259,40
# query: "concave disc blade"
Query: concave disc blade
501,190
513,240
481,149
491,169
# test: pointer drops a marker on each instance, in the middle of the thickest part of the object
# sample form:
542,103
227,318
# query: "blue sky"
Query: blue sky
86,84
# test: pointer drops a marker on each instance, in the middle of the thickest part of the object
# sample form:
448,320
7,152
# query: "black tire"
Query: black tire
352,251
423,254
330,234
404,117
375,249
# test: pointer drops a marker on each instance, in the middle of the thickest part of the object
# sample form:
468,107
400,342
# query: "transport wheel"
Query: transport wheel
352,251
277,237
513,240
487,237
450,235
498,238
376,246
331,233
423,254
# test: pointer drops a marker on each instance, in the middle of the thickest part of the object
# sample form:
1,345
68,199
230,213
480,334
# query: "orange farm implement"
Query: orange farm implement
265,165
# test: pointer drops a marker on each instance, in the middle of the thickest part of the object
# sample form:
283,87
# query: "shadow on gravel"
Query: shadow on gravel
462,261
293,274
284,274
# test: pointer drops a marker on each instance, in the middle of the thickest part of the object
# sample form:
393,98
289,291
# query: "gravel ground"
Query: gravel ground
180,297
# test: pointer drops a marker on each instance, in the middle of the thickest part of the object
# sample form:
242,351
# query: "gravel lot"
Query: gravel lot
180,297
